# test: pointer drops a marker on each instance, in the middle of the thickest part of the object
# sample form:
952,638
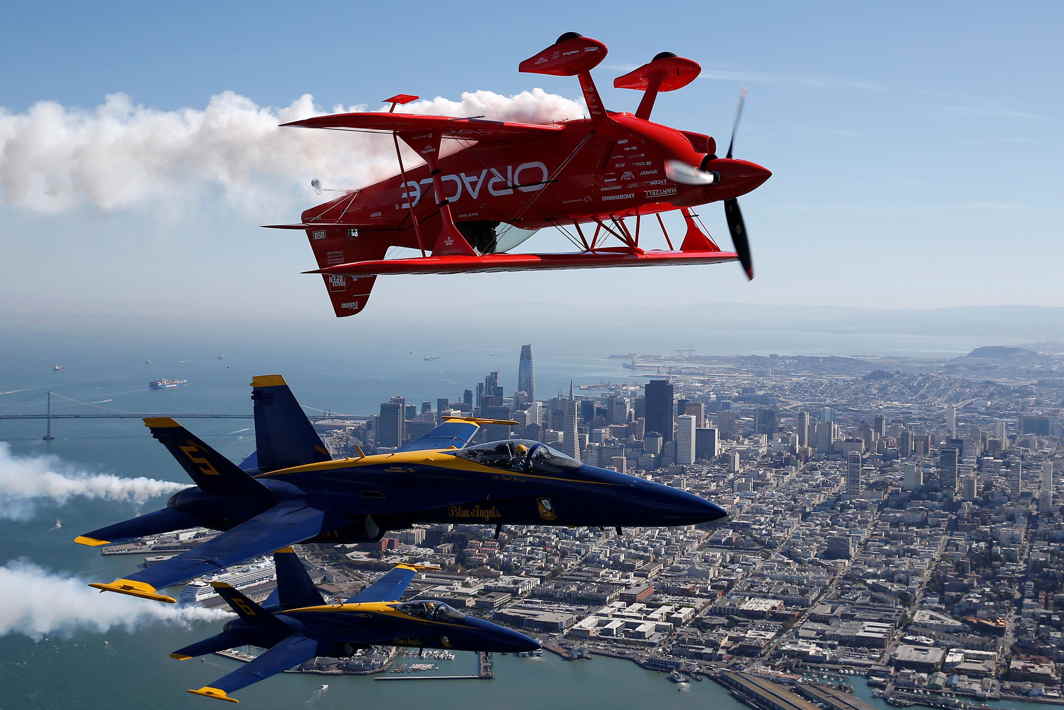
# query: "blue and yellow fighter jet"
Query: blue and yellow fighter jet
289,491
296,624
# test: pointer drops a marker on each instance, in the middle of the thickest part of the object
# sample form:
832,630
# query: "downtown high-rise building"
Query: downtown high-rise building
1045,494
526,373
390,422
914,476
948,466
570,428
685,439
707,444
854,469
1001,433
905,443
767,421
659,408
879,426
951,421
804,424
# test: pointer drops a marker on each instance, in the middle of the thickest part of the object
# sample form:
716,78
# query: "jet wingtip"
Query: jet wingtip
216,693
90,541
133,588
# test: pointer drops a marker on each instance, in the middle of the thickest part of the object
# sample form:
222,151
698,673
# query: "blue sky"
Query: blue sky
916,150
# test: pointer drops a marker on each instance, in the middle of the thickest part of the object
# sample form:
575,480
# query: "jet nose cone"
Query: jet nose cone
503,639
524,643
688,509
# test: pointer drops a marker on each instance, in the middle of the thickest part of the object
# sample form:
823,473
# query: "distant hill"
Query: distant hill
1002,352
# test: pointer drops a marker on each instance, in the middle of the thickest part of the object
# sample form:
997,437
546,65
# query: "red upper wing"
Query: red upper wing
469,128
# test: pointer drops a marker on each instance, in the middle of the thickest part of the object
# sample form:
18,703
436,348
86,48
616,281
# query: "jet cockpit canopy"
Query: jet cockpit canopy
431,610
519,455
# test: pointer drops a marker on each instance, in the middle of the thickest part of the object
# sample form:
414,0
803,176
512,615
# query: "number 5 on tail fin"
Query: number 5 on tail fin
211,471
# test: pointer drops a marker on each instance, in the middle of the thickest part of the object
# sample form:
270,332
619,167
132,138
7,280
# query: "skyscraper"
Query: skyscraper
803,428
1045,495
525,373
948,463
914,476
570,432
685,439
707,444
766,421
390,422
660,408
879,425
951,421
1001,431
905,443
854,484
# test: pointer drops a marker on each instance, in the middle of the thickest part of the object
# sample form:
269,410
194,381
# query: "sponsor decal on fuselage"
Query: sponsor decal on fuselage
498,182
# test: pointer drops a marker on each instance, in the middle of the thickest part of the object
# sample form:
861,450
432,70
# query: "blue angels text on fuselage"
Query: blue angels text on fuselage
294,493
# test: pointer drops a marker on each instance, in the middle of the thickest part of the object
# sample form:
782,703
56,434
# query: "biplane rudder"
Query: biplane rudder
343,245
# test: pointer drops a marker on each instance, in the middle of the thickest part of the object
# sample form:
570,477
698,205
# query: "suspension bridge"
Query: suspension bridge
48,415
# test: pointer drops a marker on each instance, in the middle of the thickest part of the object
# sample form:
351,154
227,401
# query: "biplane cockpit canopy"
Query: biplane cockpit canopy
493,237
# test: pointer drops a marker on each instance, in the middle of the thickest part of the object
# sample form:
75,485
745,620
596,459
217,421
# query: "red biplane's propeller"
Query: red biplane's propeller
679,171
732,213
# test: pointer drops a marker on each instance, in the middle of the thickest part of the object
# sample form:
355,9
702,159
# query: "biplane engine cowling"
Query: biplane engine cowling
570,55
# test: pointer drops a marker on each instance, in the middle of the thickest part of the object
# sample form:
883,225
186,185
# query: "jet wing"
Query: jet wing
388,588
281,525
290,652
454,433
449,127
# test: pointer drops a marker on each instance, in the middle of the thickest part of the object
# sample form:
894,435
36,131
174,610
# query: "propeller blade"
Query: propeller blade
735,125
737,229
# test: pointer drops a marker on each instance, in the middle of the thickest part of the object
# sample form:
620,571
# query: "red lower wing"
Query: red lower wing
525,262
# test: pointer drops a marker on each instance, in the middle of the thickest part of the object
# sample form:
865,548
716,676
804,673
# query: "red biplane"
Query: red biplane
467,210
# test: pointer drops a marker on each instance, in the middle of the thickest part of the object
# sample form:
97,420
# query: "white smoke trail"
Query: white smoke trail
35,603
27,479
121,155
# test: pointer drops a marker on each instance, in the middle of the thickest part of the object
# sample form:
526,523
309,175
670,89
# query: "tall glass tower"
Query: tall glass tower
525,373
659,408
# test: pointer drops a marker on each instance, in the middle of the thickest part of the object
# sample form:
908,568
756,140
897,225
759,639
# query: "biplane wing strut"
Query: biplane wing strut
449,241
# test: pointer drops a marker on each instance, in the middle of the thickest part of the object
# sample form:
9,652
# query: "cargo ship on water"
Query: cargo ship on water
165,384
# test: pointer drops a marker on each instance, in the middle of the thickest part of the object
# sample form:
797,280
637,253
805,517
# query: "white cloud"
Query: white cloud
121,155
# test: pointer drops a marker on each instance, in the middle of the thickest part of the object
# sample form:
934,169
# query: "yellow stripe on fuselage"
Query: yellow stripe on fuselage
438,458
382,608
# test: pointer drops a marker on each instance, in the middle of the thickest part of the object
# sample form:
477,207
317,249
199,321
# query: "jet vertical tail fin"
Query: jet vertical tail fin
283,435
211,471
294,586
247,609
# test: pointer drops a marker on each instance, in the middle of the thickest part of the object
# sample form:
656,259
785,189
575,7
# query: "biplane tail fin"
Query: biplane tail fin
344,244
572,54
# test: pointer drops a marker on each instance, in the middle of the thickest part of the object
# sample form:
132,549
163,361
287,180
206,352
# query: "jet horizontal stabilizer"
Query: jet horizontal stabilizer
159,521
